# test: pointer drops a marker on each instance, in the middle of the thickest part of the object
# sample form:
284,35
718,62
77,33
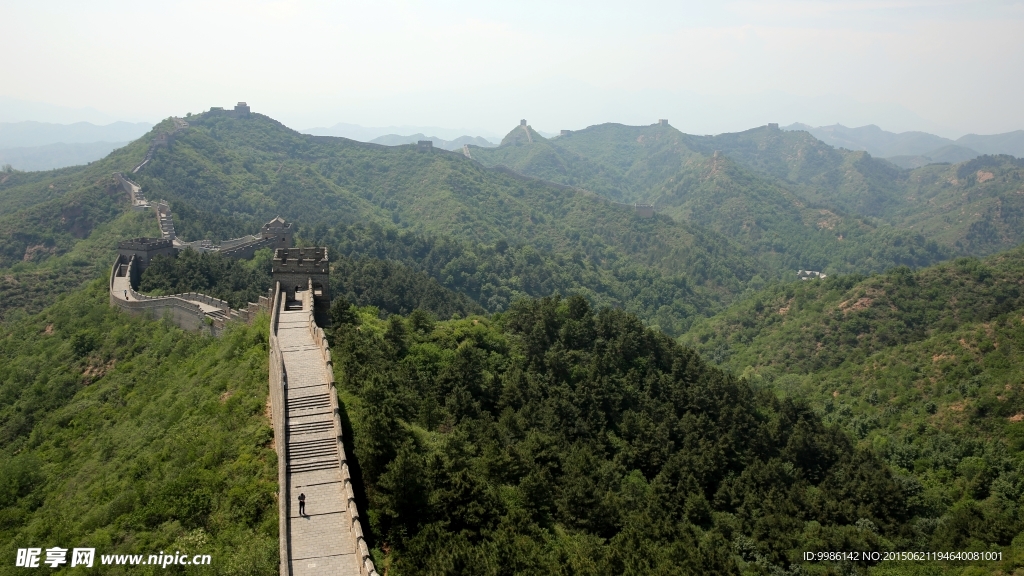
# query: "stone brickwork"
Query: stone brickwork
192,311
279,231
644,210
328,538
189,311
144,250
294,268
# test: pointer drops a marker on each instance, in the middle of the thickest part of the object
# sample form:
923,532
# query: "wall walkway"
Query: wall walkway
328,539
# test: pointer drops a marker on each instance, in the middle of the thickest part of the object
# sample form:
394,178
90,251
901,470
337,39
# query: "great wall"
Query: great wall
305,413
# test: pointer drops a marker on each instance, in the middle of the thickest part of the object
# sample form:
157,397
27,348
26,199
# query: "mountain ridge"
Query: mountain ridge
883,144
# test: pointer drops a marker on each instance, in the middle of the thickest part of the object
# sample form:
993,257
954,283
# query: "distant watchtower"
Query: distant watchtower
773,125
241,110
279,231
424,144
297,268
663,122
522,122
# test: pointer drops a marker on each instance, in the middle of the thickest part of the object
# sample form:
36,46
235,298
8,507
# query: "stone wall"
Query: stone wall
246,250
295,267
366,566
183,310
278,381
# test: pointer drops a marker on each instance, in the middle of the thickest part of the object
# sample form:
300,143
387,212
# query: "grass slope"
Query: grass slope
131,436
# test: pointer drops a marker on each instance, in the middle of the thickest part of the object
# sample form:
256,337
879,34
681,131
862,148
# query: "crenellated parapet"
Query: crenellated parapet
189,310
294,268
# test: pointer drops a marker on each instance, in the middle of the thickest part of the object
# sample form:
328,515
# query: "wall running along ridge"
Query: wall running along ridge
184,310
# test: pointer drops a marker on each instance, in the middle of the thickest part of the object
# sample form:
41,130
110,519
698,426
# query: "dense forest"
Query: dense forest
556,439
924,367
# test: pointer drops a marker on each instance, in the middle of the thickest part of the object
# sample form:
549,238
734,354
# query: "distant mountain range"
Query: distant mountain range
58,155
28,134
45,146
456,144
915,149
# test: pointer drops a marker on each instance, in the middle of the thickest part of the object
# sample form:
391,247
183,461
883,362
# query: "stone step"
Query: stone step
310,427
308,402
312,465
325,450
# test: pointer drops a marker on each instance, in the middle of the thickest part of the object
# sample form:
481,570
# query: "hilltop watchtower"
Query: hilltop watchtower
299,268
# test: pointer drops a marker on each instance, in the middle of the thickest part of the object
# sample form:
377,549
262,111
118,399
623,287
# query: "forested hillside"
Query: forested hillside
925,367
133,437
787,196
557,439
223,177
497,427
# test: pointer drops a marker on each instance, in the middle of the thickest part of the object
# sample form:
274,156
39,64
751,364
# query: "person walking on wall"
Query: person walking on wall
302,504
125,294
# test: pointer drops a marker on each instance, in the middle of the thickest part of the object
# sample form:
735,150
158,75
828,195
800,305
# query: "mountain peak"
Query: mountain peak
522,134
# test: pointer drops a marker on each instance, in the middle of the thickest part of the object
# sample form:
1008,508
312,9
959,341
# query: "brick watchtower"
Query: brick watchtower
295,268
144,250
279,232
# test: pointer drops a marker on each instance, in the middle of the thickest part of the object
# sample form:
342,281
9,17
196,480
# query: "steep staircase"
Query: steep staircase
327,539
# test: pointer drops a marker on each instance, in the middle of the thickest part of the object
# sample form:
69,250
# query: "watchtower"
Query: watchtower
279,231
145,249
663,122
241,110
522,122
773,125
297,268
644,210
424,144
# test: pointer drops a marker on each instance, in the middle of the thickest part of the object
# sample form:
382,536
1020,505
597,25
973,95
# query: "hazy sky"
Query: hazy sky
946,67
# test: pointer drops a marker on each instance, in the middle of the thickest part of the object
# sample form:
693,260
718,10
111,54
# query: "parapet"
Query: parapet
311,260
241,110
144,244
